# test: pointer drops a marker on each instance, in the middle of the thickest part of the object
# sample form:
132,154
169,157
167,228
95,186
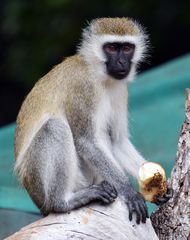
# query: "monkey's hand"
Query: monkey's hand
161,200
136,204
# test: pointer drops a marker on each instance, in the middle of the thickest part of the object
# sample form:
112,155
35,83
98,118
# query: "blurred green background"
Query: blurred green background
36,35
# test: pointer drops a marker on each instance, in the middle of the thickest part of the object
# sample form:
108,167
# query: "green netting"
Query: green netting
156,106
11,194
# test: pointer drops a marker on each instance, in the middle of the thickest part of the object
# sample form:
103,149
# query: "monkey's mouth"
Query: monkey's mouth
123,72
120,74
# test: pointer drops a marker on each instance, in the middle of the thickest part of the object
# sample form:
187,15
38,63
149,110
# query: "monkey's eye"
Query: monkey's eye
128,47
111,48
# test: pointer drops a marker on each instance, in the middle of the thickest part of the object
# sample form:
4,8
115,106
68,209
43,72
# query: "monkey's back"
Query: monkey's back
57,94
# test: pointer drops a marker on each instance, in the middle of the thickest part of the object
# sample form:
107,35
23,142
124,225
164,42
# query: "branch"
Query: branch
172,220
88,223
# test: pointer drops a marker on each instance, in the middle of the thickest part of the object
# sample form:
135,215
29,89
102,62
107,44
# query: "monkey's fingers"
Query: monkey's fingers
140,209
104,200
139,214
144,211
109,189
131,210
101,195
169,193
161,200
134,209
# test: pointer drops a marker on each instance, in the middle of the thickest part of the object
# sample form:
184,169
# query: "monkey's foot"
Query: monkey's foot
104,192
161,200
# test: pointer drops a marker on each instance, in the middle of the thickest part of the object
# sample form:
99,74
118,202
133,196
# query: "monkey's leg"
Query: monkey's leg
52,172
103,192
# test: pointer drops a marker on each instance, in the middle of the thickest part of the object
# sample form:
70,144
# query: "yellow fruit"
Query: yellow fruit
152,181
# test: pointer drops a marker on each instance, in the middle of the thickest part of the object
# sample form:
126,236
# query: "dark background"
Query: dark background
36,35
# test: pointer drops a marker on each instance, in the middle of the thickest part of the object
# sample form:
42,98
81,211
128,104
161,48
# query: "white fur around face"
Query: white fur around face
91,50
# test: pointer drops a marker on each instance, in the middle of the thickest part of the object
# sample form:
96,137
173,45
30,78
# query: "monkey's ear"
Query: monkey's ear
87,31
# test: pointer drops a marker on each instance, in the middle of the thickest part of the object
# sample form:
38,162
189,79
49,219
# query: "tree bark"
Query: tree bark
172,220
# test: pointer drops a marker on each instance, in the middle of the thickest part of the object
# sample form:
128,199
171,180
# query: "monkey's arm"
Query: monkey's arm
129,158
102,160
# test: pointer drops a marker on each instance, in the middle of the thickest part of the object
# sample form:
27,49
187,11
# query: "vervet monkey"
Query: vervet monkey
72,143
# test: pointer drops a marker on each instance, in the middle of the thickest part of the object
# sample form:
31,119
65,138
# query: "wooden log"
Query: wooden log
92,222
172,220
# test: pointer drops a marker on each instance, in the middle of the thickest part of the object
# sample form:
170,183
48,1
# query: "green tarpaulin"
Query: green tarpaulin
156,106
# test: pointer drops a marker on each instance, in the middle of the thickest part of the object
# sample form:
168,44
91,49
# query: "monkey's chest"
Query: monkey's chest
110,122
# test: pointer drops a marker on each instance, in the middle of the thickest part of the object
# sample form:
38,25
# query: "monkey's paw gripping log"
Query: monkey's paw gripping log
104,192
136,204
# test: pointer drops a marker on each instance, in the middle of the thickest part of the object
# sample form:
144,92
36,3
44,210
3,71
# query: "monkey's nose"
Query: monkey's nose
122,61
122,64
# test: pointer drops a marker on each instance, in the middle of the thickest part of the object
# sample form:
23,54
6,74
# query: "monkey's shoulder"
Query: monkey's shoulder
68,83
72,67
78,79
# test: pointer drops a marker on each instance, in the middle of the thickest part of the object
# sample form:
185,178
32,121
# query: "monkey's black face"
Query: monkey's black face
119,56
